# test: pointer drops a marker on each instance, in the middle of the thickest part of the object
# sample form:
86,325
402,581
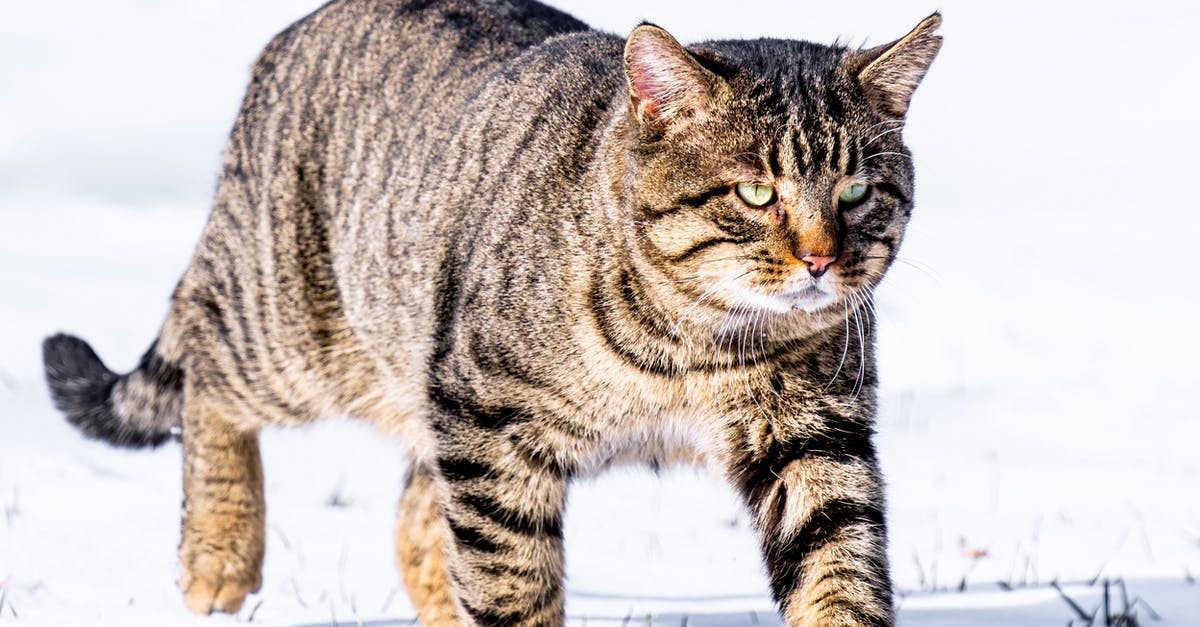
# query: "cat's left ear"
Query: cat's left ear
667,85
890,73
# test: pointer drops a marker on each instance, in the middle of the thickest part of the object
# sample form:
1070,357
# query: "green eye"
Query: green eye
854,193
756,194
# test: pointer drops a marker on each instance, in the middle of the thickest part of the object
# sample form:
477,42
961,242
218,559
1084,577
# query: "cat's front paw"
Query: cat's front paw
214,582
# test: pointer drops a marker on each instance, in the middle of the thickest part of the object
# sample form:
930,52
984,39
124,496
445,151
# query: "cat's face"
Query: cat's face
770,176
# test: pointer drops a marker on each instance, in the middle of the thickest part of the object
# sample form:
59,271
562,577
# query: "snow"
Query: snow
1038,340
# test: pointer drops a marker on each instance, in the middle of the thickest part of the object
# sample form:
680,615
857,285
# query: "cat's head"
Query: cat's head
769,174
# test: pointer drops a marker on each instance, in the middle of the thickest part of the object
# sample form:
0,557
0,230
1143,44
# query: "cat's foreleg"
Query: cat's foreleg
503,500
222,542
818,504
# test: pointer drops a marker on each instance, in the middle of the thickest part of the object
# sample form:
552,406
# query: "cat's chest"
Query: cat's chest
629,401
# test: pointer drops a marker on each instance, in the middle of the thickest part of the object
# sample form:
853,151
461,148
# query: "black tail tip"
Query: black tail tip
81,387
74,372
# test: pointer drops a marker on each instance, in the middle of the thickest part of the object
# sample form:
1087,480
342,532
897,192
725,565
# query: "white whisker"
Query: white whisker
875,126
862,353
845,348
708,292
887,152
890,130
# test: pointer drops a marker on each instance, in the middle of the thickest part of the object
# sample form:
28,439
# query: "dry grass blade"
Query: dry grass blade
250,617
1139,601
387,602
1090,618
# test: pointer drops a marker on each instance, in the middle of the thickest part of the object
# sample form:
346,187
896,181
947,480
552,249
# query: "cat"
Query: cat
533,250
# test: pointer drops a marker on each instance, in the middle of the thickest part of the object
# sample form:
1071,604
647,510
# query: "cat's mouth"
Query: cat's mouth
808,296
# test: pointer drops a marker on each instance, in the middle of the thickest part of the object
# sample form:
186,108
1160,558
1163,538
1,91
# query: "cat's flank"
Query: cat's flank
533,250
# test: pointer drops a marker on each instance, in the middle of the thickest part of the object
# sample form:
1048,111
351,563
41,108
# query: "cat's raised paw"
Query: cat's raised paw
210,584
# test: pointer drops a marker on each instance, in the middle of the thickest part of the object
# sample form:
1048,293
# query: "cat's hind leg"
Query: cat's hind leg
222,543
420,549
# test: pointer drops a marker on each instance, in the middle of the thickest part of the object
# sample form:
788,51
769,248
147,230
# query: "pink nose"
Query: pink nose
818,264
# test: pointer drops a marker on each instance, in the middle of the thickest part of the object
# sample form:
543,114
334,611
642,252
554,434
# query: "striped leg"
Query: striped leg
420,549
503,502
222,542
819,511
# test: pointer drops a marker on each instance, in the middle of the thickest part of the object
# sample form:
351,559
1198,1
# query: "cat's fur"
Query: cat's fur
516,243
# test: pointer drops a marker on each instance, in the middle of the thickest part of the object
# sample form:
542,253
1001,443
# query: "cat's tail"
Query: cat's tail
142,408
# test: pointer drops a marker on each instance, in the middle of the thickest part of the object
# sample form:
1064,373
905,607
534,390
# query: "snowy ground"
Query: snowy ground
1038,345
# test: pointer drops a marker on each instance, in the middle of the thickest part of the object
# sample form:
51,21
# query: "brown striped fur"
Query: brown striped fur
517,243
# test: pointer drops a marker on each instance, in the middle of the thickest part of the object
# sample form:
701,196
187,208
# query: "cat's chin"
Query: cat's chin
809,298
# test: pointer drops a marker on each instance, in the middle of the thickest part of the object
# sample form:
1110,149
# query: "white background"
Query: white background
1038,341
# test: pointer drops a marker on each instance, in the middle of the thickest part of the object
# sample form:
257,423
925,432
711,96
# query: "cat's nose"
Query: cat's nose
818,264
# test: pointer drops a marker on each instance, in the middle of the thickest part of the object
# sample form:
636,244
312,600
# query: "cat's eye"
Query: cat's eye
756,194
853,194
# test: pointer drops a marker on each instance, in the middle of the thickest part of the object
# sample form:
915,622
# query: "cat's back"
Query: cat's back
450,45
364,96
344,110
379,72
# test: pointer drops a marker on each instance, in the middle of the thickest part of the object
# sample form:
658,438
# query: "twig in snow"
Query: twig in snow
342,569
13,508
287,545
1127,617
1031,557
5,600
336,498
354,612
253,611
1107,613
1145,535
1149,610
920,570
975,555
388,601
296,589
1074,606
1029,568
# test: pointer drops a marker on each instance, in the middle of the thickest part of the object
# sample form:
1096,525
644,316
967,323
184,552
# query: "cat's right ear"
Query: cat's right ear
890,73
668,88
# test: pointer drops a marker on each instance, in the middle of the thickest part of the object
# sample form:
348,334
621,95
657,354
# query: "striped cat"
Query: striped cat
533,250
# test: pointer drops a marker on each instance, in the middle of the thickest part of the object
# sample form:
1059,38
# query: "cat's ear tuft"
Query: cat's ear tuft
890,73
667,86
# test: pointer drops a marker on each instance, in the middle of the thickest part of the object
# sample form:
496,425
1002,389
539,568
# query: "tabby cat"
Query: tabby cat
533,250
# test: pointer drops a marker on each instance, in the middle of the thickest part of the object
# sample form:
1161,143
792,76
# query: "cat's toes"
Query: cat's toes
210,584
